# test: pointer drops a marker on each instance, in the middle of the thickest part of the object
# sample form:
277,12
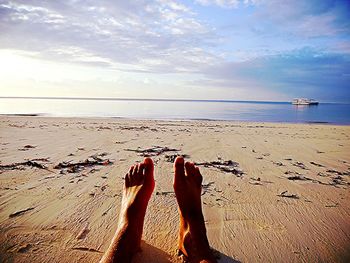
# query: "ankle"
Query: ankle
196,248
193,241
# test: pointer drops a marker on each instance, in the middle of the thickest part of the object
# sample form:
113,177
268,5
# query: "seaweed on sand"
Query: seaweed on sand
228,166
153,151
20,166
73,167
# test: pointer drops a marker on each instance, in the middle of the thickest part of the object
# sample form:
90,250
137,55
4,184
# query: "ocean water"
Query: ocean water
170,109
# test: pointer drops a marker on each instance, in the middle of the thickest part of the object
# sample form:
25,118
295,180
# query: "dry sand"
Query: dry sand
70,215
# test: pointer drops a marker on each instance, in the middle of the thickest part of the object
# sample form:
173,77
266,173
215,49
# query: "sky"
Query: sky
266,50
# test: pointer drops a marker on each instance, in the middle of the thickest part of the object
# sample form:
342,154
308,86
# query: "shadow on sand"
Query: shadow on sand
152,254
222,258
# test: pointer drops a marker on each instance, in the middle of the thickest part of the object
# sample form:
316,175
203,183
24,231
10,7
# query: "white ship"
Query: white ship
303,101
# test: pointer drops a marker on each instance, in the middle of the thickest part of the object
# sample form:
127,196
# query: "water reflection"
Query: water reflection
241,111
304,107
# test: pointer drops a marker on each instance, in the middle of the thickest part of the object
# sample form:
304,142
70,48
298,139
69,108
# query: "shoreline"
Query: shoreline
43,115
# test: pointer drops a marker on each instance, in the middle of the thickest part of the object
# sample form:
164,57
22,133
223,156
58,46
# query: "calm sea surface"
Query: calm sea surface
160,109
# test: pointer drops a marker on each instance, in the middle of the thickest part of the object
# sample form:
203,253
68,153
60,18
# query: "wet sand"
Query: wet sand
272,192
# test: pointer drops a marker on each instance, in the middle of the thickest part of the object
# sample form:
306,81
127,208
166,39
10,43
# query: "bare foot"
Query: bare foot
193,241
138,188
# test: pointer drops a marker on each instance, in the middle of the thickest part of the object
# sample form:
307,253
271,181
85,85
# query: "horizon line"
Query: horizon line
143,99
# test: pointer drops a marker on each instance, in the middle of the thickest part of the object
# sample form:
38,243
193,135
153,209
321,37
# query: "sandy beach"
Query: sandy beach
272,192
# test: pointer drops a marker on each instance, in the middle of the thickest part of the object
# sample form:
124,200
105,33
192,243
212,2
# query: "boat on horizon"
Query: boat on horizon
304,101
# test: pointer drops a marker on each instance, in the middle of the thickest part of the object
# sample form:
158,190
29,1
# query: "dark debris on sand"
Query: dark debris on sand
316,164
225,166
27,147
73,167
165,193
206,187
153,151
300,165
338,180
134,128
21,212
278,163
87,249
299,178
171,158
337,172
21,166
287,195
335,180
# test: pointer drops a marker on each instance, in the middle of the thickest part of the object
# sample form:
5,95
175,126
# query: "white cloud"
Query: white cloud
221,3
228,3
107,33
174,6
